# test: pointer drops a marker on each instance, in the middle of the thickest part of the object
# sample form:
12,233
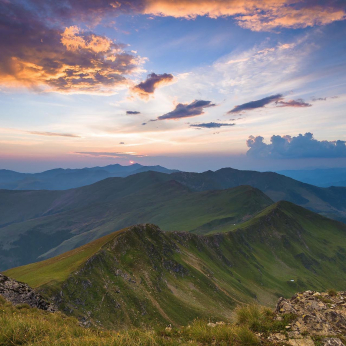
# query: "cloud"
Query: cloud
211,125
109,154
153,81
301,146
41,53
133,112
182,110
293,103
256,104
144,124
264,15
314,99
277,99
53,134
122,143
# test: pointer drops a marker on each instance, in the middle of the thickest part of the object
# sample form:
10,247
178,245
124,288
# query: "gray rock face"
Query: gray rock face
318,316
20,293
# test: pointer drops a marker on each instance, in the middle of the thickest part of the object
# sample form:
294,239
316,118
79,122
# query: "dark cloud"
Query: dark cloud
40,51
144,124
187,110
256,104
133,112
293,103
211,125
153,81
122,143
53,134
278,99
301,146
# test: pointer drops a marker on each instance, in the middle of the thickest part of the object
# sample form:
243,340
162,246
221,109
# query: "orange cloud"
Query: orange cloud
252,14
68,60
153,81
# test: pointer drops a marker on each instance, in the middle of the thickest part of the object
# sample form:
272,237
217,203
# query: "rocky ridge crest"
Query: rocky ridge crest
20,293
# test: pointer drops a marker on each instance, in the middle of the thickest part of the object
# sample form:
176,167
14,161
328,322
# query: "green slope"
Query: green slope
330,202
86,214
145,276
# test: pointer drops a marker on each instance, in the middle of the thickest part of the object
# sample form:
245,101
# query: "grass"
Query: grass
22,325
261,319
58,269
144,276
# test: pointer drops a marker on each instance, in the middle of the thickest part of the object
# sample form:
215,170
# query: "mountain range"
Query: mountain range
36,225
63,179
319,177
143,276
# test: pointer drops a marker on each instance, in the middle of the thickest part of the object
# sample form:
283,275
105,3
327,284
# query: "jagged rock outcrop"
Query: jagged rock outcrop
20,293
319,319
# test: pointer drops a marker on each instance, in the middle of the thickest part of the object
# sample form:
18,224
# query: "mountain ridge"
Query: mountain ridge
145,276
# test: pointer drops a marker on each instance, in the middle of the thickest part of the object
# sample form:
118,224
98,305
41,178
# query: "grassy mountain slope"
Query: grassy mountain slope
145,276
79,216
330,202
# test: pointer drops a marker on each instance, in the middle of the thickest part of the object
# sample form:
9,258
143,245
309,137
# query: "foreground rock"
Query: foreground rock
319,319
20,293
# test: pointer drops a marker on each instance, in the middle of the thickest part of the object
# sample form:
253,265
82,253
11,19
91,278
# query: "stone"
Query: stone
21,293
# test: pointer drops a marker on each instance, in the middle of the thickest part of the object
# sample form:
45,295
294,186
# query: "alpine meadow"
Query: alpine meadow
172,173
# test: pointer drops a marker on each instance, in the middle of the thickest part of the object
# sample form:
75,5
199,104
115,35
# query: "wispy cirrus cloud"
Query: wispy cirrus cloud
184,110
301,146
109,154
211,125
147,88
53,134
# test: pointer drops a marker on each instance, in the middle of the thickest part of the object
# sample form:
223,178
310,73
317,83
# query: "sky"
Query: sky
187,84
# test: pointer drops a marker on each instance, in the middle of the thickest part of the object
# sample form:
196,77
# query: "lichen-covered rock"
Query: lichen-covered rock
20,293
317,313
317,316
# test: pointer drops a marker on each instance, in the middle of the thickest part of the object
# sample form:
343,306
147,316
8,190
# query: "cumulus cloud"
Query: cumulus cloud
133,112
278,99
53,134
41,53
184,110
211,125
301,146
264,15
153,81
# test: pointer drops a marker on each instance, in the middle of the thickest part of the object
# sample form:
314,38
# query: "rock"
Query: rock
301,342
20,293
316,313
332,342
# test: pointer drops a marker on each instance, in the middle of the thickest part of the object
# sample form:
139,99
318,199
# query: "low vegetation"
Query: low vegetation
22,325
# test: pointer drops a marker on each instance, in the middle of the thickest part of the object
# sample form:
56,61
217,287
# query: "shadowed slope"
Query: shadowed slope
83,215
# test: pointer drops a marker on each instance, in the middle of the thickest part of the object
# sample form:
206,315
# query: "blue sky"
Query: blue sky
68,79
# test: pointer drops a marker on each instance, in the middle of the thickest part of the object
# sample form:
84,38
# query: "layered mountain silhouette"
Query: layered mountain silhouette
63,179
36,225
